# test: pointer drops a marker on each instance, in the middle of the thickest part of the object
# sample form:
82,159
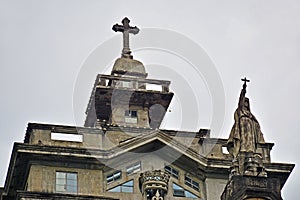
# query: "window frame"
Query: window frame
131,116
192,183
114,177
134,168
66,182
172,171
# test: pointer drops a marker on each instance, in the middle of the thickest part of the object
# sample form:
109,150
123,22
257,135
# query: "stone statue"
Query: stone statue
245,133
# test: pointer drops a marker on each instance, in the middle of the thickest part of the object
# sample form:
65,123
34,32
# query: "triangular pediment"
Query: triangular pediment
157,142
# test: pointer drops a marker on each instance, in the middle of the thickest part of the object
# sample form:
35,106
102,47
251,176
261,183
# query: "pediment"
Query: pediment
159,143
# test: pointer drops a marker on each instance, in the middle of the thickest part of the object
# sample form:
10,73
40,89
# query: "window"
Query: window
191,183
173,172
131,116
154,87
127,84
125,187
124,84
66,137
114,176
133,168
180,192
66,182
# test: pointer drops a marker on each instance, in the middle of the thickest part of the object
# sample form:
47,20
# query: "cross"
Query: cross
245,82
126,29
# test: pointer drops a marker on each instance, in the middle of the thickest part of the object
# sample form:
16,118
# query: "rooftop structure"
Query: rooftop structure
121,153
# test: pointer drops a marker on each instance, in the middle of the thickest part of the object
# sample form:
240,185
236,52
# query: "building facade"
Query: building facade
121,153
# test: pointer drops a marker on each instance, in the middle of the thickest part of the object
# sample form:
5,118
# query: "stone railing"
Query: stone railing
133,83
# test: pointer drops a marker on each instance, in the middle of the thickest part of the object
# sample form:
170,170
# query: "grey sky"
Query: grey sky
43,45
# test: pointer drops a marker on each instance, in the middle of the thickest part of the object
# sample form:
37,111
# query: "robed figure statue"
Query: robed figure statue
245,133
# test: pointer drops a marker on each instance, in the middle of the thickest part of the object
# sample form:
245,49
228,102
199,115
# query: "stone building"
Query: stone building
121,153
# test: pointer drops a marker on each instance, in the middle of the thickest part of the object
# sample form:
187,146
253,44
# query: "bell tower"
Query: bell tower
126,97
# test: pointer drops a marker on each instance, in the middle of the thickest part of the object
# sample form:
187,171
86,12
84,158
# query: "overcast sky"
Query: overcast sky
45,47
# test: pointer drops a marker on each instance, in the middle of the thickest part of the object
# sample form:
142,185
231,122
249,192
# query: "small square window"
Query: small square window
114,176
191,183
173,172
66,182
131,116
133,168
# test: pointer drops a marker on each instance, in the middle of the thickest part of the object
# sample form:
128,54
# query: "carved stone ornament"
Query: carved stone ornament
154,184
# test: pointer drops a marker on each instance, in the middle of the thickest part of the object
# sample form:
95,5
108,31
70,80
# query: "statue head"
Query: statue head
246,103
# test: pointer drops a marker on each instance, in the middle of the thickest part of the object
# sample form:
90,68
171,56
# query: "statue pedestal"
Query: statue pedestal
241,187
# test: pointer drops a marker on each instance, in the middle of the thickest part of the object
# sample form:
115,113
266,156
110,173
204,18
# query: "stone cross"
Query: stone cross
126,29
245,80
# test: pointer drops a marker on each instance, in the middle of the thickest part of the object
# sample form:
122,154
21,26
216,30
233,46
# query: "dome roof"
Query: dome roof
130,67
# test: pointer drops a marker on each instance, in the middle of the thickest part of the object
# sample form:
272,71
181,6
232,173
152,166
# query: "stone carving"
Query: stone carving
244,137
126,29
157,196
154,184
245,133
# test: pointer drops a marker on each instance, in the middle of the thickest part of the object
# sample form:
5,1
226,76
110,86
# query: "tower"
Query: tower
126,97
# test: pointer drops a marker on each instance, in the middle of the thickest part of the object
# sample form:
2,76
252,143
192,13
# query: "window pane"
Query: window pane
115,189
190,195
133,113
179,193
114,176
60,188
195,185
71,176
109,179
72,183
127,189
176,187
133,168
60,181
174,171
168,169
137,166
129,183
60,175
72,189
117,175
187,179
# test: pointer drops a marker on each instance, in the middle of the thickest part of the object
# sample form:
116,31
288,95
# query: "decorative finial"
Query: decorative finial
126,29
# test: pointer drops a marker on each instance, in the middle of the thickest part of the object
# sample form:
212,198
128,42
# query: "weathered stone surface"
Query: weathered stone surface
251,187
